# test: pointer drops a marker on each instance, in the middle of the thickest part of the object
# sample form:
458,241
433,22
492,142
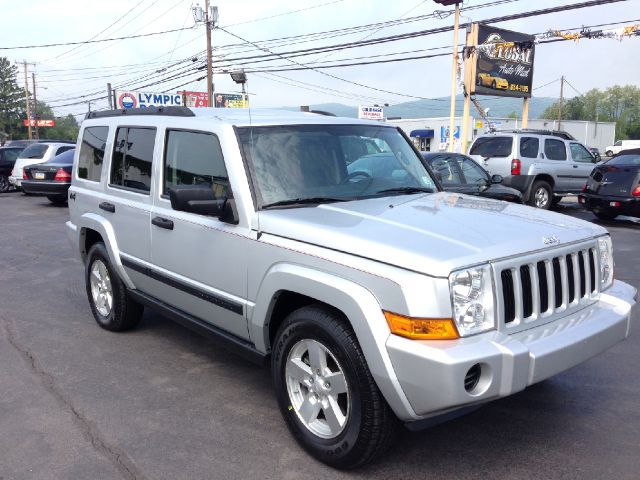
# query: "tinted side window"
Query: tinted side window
448,169
35,150
10,155
193,158
132,158
555,149
529,147
92,153
64,149
492,146
472,172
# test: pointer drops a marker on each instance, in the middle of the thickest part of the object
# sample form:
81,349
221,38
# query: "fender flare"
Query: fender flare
356,302
105,229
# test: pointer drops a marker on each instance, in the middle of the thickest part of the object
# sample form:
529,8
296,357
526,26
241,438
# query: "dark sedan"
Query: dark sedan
8,157
613,188
459,173
52,178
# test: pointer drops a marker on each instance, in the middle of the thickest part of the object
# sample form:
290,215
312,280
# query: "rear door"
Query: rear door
494,153
556,160
528,152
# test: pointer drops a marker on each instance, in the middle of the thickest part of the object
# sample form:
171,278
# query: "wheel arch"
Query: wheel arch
287,287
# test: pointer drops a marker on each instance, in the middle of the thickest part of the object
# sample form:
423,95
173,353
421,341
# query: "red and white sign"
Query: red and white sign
40,123
195,99
370,113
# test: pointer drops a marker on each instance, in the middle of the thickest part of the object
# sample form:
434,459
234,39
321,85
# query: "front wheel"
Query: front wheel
325,391
609,153
111,305
541,195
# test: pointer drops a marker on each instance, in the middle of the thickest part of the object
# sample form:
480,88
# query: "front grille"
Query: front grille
542,287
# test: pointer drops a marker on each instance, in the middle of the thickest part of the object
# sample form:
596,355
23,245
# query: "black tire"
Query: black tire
605,214
124,313
541,195
4,184
57,200
493,84
609,153
370,425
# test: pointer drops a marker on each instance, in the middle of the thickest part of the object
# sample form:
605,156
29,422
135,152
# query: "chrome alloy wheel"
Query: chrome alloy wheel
541,197
101,291
317,388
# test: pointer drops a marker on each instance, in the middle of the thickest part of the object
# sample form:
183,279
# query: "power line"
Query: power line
283,14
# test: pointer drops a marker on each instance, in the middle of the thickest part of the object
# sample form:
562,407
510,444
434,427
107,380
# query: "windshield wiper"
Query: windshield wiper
304,201
407,190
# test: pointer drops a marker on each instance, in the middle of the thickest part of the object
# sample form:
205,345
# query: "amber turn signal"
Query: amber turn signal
422,328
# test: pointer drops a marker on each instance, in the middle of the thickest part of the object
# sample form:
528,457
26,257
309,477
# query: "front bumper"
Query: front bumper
432,373
58,189
625,205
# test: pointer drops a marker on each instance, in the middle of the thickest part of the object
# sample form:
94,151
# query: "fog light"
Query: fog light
472,377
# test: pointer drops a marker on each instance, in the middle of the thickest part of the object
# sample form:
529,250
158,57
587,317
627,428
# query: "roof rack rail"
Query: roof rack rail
555,133
172,111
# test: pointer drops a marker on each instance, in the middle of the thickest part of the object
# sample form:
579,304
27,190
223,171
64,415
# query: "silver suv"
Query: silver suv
377,298
544,165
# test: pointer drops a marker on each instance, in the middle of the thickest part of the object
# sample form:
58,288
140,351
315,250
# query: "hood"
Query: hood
427,233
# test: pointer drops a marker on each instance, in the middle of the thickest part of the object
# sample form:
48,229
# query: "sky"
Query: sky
77,73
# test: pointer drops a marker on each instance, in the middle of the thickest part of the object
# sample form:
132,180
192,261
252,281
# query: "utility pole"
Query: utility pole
110,95
26,97
208,26
561,101
35,105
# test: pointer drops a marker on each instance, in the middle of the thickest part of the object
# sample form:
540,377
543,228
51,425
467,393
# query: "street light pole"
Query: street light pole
35,105
209,60
454,69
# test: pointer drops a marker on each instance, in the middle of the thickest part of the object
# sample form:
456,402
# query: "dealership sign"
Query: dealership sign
40,123
230,100
195,99
146,99
370,113
504,62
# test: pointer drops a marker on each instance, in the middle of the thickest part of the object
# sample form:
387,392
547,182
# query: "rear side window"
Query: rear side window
132,158
492,147
36,150
91,155
529,147
10,155
193,158
555,149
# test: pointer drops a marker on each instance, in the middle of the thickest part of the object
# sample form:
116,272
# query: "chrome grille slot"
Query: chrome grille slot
539,288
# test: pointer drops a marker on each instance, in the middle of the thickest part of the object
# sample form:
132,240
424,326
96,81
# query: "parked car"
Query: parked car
377,298
37,152
489,80
621,145
51,178
543,165
614,188
8,156
461,174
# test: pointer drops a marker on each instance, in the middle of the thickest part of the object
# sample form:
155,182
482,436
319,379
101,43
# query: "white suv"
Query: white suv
377,298
39,152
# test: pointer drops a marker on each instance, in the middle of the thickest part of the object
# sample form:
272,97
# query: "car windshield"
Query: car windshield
492,146
628,159
306,164
36,150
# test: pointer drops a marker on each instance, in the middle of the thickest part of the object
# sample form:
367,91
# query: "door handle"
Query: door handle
109,207
162,222
575,166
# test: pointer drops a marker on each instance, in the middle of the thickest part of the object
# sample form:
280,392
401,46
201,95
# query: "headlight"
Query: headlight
472,300
605,251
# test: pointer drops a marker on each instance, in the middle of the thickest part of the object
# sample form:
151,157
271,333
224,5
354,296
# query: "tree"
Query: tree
66,128
616,104
11,104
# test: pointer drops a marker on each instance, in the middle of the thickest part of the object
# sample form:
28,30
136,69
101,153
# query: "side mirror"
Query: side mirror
496,179
200,199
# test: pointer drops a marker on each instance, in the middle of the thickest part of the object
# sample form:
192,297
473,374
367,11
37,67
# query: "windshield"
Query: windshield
625,159
36,150
325,163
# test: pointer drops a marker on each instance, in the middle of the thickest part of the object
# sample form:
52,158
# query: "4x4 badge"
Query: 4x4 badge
552,240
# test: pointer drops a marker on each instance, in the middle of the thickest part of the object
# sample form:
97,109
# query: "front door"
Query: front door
582,161
199,262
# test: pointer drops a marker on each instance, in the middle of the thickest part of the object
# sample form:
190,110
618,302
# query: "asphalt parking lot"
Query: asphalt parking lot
77,402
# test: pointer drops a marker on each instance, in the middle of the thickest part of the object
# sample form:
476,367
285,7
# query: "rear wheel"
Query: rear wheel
605,214
4,184
325,391
541,195
609,153
111,305
57,200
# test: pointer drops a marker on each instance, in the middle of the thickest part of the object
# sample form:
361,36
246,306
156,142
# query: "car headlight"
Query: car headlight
605,252
472,300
